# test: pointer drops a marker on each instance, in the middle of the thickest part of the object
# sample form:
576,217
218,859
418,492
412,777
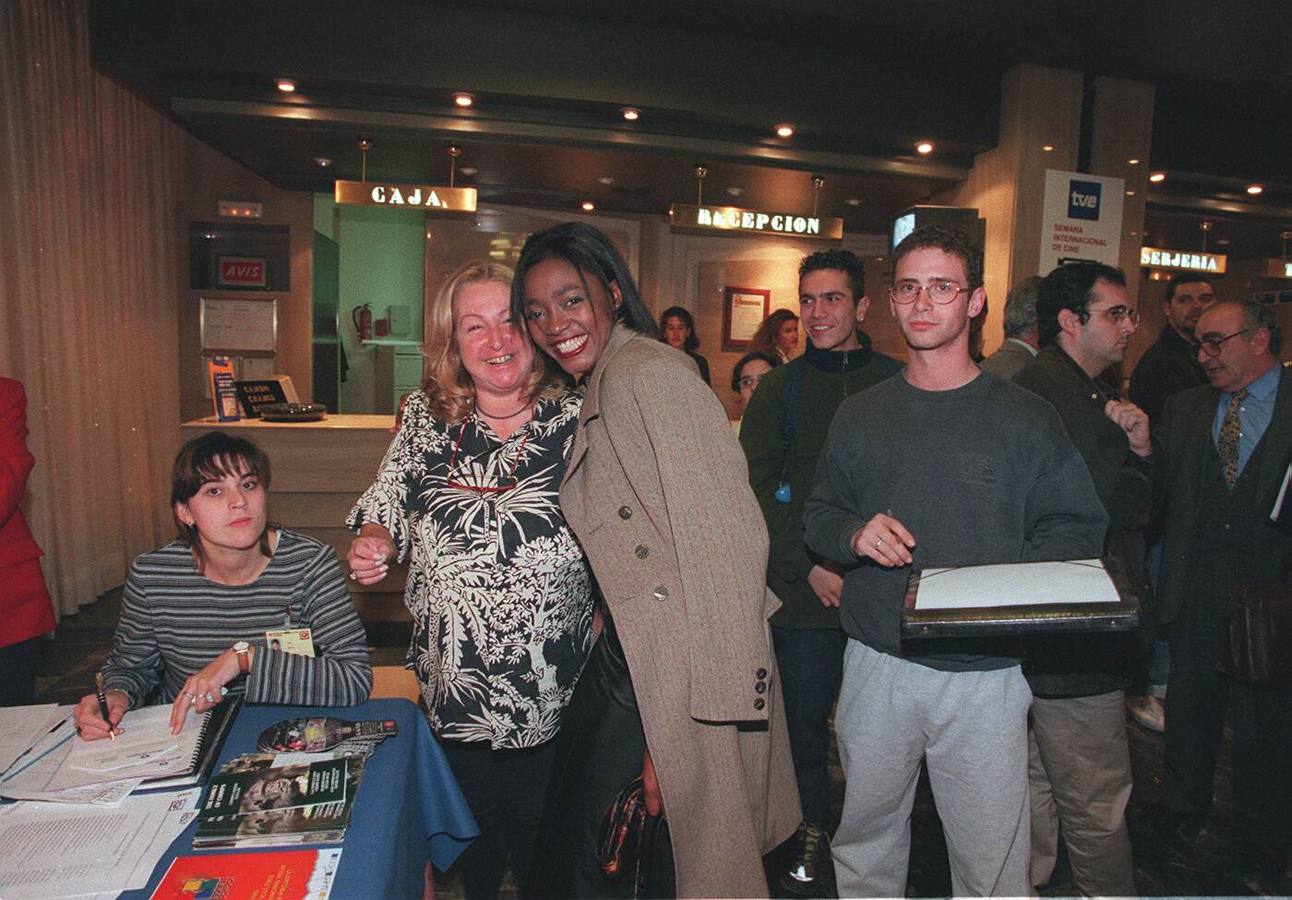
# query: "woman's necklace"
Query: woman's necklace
481,411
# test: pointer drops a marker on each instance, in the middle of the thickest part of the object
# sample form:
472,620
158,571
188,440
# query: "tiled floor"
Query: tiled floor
1162,867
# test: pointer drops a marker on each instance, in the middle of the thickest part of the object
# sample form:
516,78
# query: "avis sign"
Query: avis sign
241,271
1081,219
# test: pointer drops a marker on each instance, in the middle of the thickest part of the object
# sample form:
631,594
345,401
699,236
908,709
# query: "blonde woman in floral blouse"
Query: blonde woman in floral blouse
499,590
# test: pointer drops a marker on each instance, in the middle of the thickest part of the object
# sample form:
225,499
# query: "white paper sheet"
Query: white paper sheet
22,726
1016,584
61,851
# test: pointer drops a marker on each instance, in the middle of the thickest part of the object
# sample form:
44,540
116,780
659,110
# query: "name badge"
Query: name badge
290,640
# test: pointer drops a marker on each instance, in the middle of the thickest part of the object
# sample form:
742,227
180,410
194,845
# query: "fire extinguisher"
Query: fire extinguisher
362,316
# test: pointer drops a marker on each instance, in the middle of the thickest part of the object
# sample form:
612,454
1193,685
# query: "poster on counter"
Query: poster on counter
1081,219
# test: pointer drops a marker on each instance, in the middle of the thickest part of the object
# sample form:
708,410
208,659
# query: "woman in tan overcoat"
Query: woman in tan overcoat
682,687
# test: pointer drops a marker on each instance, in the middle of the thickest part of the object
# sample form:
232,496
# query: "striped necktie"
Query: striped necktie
1230,429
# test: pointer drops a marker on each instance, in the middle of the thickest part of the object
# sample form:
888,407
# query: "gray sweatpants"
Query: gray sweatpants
971,727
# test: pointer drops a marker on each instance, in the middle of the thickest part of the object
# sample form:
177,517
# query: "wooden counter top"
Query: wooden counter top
333,421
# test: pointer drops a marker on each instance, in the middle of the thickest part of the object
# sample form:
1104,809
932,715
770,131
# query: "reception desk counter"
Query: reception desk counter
319,470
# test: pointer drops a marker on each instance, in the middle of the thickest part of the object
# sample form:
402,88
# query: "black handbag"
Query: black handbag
628,838
1258,636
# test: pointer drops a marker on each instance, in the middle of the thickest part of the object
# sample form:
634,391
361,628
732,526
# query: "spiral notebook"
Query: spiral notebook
147,750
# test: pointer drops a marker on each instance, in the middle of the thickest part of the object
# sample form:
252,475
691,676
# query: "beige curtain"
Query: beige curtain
91,183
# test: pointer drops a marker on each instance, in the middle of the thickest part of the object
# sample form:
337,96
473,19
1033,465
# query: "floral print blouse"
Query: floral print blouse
499,591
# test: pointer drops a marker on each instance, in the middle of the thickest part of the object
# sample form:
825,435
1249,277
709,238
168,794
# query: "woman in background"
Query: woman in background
778,334
25,609
677,329
498,589
681,689
194,614
750,370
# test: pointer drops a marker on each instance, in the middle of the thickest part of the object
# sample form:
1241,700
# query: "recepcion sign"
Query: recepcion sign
1081,219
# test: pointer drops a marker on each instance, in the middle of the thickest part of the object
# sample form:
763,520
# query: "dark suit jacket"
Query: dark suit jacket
25,610
1184,436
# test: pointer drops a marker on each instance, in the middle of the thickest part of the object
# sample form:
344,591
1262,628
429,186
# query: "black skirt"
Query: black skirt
599,752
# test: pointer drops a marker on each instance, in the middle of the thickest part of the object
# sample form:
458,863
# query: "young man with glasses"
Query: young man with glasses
1226,448
782,433
1080,764
944,466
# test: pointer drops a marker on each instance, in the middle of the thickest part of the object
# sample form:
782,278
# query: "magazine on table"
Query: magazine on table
265,799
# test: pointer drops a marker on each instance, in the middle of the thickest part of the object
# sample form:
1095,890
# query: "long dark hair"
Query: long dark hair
591,253
680,312
210,457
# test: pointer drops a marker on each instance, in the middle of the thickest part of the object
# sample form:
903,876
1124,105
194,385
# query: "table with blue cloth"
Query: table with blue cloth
408,808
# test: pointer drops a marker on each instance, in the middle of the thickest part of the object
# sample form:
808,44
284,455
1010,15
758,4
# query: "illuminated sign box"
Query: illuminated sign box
731,219
1155,258
1278,268
241,271
427,197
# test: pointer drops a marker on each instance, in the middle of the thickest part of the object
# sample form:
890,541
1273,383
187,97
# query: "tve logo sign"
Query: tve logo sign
1083,199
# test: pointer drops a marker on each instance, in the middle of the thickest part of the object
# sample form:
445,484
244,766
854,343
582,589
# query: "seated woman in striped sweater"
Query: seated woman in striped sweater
194,614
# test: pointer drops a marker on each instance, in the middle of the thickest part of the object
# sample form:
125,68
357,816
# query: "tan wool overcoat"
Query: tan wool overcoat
658,493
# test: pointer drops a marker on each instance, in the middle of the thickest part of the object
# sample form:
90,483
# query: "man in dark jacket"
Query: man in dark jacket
782,434
1080,764
1225,449
1170,365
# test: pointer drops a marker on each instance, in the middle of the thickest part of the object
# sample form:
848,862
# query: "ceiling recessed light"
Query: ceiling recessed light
1224,242
1255,189
1047,147
735,191
463,99
323,161
630,113
588,205
1130,193
606,179
1132,162
924,148
785,130
286,85
1157,177
469,170
853,201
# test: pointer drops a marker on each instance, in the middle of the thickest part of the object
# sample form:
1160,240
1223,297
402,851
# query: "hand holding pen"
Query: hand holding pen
98,715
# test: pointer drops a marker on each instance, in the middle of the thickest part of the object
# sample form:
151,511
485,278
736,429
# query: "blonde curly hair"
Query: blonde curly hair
447,384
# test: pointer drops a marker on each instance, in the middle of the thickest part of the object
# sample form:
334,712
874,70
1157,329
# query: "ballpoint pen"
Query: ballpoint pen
103,704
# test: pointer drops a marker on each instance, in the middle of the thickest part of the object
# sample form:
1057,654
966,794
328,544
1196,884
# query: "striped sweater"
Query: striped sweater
174,621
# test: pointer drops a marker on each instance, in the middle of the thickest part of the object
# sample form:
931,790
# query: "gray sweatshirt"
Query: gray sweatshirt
980,474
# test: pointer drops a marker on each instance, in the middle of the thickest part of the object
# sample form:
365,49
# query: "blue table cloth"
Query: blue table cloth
408,809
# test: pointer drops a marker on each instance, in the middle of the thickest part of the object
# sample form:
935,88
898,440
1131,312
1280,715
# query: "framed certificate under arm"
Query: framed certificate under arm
1019,598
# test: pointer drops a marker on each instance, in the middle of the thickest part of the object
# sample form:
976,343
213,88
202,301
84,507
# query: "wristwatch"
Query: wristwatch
243,650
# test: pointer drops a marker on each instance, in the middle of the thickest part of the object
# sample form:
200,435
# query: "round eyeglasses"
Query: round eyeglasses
940,291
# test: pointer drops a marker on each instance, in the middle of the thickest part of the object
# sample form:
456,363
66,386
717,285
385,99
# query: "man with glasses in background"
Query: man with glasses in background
782,433
1080,768
1226,449
943,466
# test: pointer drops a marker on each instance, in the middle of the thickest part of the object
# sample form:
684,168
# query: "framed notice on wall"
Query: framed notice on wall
743,310
245,325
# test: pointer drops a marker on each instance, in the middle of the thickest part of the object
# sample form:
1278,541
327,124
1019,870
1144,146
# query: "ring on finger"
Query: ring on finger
879,542
192,697
208,697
